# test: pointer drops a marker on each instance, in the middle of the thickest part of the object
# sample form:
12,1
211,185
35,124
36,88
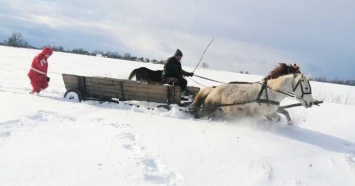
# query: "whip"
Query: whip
203,55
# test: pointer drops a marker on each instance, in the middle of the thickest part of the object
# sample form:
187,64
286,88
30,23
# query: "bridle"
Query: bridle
304,90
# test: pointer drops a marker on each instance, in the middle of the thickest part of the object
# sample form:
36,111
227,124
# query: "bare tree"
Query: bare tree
204,65
127,56
16,40
141,59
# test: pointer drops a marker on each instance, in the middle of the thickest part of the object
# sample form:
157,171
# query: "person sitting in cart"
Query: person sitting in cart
173,74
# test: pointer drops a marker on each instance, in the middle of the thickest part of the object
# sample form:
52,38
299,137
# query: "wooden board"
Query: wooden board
122,89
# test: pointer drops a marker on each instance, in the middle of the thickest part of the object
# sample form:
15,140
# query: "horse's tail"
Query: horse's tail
133,73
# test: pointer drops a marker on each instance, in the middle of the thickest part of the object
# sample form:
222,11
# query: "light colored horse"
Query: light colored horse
218,101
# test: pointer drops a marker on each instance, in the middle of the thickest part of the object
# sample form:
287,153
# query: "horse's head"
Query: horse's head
302,90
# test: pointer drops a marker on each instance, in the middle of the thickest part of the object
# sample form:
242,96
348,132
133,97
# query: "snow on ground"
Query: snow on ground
47,140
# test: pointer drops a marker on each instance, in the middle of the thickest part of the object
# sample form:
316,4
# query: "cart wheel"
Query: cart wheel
73,94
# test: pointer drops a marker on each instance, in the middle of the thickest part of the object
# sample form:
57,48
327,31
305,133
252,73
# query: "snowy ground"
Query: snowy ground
47,140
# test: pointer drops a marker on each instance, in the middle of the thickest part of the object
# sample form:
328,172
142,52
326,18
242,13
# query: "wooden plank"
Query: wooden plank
119,88
116,92
71,81
119,94
103,81
125,82
70,77
71,84
102,93
158,99
125,92
68,87
106,82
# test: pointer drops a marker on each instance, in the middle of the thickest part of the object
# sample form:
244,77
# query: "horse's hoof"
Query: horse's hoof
289,123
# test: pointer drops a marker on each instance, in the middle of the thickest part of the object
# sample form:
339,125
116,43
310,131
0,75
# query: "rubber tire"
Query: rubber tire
73,94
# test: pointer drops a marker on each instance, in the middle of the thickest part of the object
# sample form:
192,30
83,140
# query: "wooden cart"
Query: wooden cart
111,89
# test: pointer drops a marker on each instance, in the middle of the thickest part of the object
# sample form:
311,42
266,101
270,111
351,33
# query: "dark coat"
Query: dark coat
172,68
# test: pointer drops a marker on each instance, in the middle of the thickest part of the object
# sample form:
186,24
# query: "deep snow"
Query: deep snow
47,140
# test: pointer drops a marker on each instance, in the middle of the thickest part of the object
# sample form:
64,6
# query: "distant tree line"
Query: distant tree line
17,40
335,81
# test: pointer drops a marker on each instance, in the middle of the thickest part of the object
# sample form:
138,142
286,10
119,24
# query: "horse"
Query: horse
279,70
253,101
147,75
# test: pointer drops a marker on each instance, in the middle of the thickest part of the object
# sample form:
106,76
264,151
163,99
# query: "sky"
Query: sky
248,36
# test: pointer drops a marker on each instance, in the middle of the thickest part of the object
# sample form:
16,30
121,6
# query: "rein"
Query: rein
264,84
234,104
196,82
209,79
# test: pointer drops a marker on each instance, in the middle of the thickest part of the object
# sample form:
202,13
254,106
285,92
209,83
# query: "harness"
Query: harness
264,87
299,83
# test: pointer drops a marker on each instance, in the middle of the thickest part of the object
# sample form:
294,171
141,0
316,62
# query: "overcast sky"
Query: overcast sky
250,35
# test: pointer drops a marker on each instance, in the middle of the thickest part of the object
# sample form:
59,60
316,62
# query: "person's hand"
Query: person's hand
48,79
191,74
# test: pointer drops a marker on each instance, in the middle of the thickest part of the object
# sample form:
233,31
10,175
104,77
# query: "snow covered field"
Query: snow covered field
47,140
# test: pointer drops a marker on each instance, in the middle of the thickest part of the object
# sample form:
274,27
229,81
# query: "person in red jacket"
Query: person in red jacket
38,71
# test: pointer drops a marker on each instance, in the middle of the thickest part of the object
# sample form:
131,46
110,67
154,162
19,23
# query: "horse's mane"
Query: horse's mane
282,69
277,82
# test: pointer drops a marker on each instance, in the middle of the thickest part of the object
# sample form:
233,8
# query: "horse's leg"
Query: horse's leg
217,114
204,112
273,117
287,115
198,101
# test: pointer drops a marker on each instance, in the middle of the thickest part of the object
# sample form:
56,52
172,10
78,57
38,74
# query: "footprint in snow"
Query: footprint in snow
350,159
10,122
133,147
117,125
155,173
40,115
5,134
129,136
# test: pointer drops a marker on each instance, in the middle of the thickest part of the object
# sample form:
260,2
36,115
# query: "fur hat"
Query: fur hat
178,53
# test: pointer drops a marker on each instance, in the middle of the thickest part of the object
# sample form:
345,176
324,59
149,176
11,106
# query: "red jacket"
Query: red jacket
39,65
